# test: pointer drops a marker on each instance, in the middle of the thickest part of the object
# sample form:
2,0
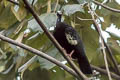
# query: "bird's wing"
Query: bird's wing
71,36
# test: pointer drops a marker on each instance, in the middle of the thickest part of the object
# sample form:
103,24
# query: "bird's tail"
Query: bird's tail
84,65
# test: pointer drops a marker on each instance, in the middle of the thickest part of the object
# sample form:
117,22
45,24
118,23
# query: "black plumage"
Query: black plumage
69,39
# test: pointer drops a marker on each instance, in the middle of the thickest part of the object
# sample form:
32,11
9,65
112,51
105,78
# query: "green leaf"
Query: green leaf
37,74
10,31
114,46
114,35
7,18
48,19
19,11
109,16
90,39
57,73
73,8
38,39
53,52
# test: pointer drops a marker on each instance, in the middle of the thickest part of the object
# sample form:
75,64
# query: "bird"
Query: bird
70,40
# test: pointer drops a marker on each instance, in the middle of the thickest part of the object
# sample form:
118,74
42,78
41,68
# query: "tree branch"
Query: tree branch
106,7
56,6
39,53
103,71
53,60
50,36
107,47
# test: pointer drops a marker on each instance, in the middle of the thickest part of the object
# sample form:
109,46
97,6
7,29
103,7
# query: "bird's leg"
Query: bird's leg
71,53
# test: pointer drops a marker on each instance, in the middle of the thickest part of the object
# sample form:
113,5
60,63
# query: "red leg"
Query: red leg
71,53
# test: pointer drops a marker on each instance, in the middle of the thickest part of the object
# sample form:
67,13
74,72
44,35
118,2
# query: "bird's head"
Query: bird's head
59,15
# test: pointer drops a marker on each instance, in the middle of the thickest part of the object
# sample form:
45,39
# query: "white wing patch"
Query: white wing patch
71,39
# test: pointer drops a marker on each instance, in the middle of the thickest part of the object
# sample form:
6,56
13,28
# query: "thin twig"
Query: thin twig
20,26
39,53
56,5
9,69
107,47
103,71
105,59
14,2
84,19
26,65
106,7
50,36
49,6
103,47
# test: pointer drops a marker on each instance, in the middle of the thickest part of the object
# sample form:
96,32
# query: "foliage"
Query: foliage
17,23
